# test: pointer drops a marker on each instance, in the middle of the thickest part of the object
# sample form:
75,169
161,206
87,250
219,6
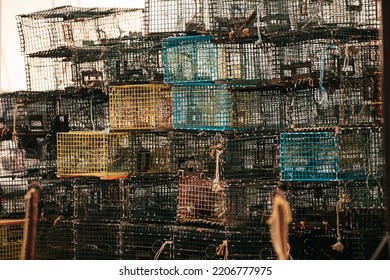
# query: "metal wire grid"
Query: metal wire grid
197,243
99,200
150,153
69,26
309,156
11,236
243,155
250,245
283,16
56,200
227,204
176,16
66,68
145,106
201,58
82,112
218,107
12,192
189,59
134,60
92,153
361,153
55,240
152,199
147,241
97,241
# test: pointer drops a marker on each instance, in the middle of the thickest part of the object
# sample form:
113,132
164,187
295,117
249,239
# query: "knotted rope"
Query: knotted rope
223,250
216,152
168,242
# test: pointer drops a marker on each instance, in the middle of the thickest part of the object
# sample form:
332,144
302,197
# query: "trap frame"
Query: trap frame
152,199
92,153
226,156
137,107
11,236
76,27
143,241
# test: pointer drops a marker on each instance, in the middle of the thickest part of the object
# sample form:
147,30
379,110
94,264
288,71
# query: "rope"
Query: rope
27,198
346,59
216,151
168,242
14,133
91,114
324,95
338,246
259,40
222,250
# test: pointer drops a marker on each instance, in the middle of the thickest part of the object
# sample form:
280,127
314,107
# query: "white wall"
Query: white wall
12,72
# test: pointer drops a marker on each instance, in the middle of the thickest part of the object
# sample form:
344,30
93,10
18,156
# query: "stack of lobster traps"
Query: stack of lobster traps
163,132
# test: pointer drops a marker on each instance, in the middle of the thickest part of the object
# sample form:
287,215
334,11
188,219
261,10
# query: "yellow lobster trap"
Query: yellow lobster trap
143,106
11,238
92,153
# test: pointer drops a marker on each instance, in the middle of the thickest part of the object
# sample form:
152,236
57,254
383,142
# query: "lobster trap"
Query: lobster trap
92,153
97,241
219,107
250,245
361,153
147,241
56,200
54,240
192,59
197,243
12,192
226,156
309,156
136,107
227,204
76,27
152,199
66,69
150,153
134,60
98,200
282,16
11,237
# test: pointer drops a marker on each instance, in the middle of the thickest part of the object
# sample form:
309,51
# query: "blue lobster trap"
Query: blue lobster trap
309,156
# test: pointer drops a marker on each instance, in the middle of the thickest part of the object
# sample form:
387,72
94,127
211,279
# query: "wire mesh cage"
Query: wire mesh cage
56,201
11,237
249,244
66,68
361,153
147,241
226,156
92,153
82,112
150,153
201,58
54,240
97,241
98,200
176,16
227,204
145,106
134,60
68,26
219,107
309,156
152,199
12,192
283,16
197,243
189,59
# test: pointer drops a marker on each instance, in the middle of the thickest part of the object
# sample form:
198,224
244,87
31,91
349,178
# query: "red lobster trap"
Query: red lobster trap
226,204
